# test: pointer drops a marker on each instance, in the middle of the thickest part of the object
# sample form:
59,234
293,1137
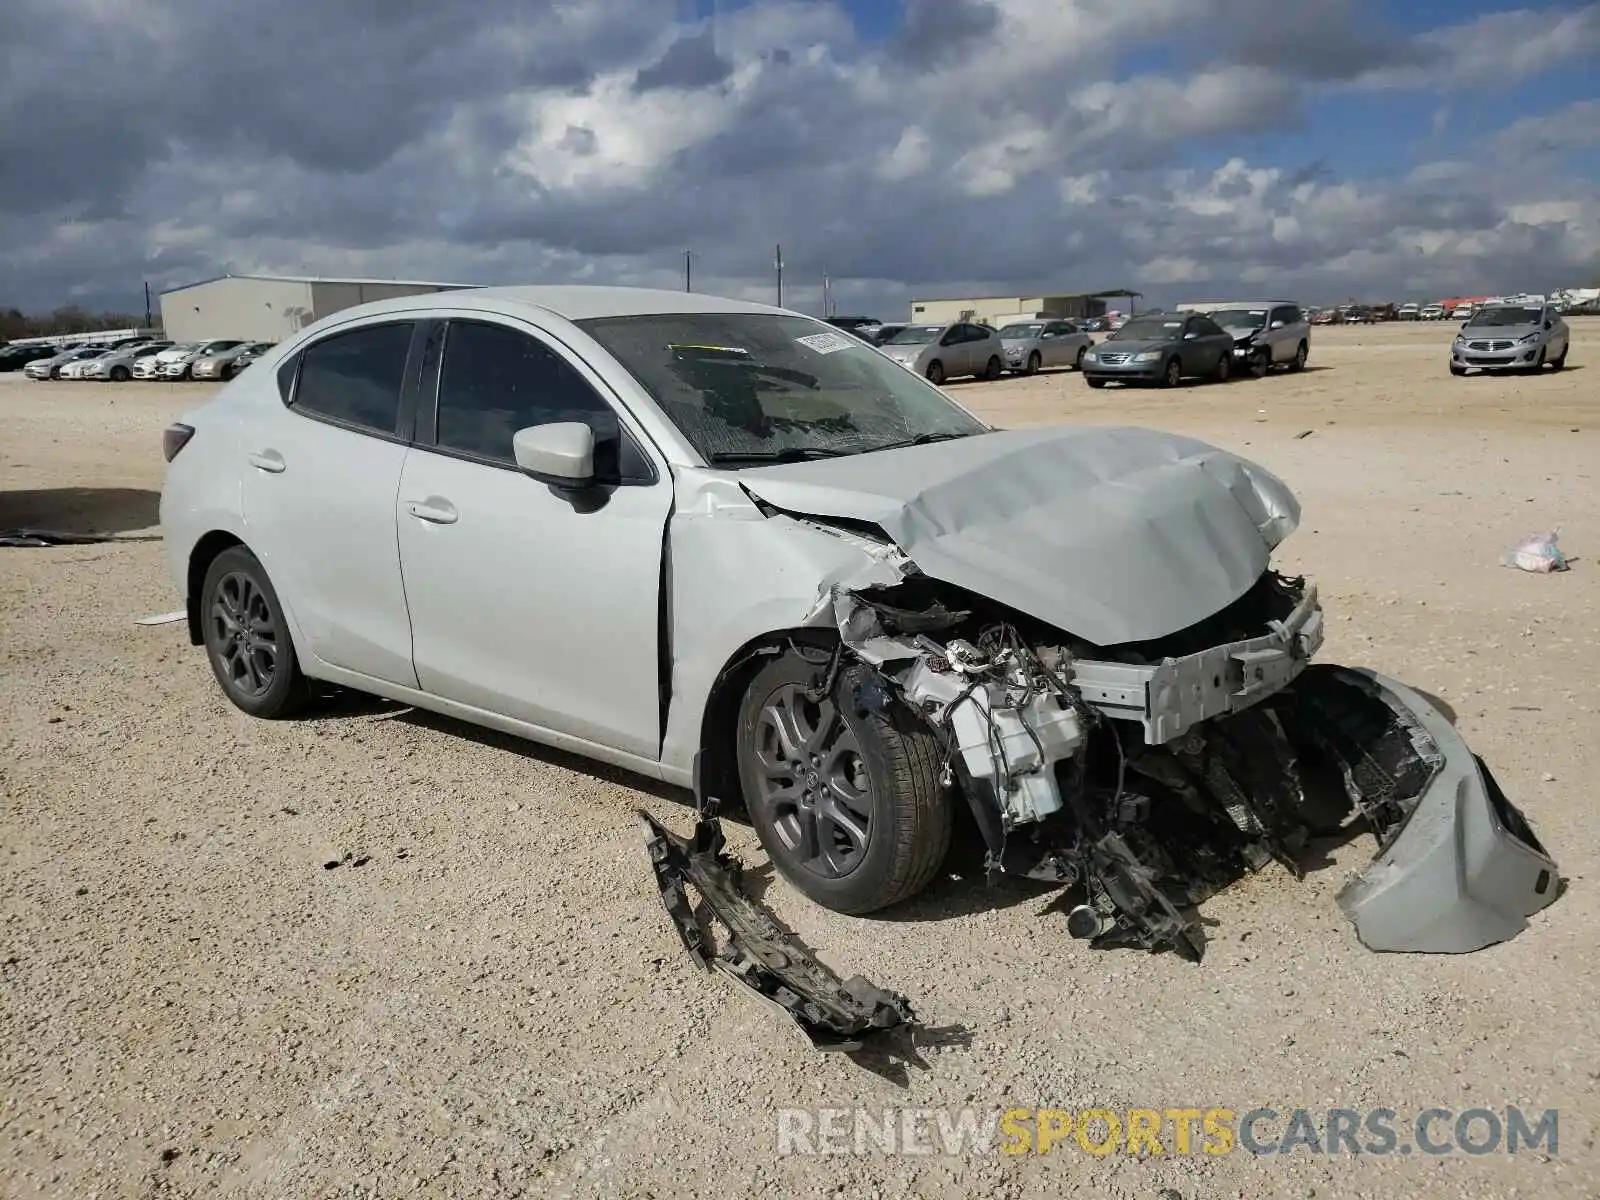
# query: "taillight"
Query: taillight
174,438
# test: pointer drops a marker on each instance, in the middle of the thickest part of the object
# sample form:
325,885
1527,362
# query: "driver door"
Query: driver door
526,601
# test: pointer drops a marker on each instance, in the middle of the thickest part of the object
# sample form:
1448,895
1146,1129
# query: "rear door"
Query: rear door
320,475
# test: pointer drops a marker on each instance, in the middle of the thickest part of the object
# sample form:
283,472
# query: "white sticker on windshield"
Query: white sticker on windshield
826,343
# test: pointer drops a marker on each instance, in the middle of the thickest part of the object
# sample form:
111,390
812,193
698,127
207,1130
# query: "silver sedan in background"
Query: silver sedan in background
1511,337
942,352
1030,345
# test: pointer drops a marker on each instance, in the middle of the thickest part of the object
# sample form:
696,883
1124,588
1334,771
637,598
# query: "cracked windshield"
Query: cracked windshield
752,388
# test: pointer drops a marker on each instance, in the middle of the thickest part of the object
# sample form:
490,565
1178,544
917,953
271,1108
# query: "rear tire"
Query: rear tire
120,375
936,373
993,369
846,802
247,638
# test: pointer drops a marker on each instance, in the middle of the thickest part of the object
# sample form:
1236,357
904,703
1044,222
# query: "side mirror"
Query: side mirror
1549,324
1277,324
560,454
948,339
1190,336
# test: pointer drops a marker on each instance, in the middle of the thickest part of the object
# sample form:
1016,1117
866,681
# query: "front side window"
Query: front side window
356,377
497,380
746,388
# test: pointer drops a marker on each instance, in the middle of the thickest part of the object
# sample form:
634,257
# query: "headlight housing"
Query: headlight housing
1528,340
1147,356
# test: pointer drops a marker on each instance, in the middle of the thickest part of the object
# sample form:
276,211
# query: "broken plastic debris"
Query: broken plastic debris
166,618
833,1013
1538,553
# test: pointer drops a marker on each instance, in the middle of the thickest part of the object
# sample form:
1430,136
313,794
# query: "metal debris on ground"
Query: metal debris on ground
49,537
833,1013
166,618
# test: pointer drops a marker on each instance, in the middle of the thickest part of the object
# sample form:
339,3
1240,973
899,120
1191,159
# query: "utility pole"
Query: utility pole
827,296
687,255
777,261
147,323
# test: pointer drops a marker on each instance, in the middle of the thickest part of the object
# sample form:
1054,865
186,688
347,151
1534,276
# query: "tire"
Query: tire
936,372
1455,370
1260,363
1172,373
886,763
993,369
1561,360
1224,371
120,375
1093,382
1033,364
1077,363
1539,366
1301,353
260,674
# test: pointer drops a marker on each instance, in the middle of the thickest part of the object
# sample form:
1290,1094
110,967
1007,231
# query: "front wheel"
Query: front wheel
1078,362
1093,382
1224,370
1561,359
845,800
120,375
247,637
935,372
1033,363
1173,375
1455,370
1260,363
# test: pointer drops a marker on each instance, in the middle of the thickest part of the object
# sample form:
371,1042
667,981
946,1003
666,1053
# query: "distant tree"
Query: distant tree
69,318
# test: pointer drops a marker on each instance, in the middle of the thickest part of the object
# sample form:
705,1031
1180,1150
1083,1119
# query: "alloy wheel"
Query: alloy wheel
812,780
245,642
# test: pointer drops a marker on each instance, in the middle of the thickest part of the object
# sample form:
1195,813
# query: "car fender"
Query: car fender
737,573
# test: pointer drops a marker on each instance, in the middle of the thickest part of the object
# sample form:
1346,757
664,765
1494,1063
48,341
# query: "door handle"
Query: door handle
268,460
433,510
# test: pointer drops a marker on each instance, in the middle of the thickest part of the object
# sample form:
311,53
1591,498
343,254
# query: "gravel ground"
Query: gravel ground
493,1003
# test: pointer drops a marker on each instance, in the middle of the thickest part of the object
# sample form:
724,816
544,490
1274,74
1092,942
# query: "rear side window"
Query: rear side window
356,378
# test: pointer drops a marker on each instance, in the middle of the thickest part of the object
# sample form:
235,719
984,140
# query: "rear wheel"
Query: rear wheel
1301,353
247,637
846,801
120,375
935,372
1172,376
993,369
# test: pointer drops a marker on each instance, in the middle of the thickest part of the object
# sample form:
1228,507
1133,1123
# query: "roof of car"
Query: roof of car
575,302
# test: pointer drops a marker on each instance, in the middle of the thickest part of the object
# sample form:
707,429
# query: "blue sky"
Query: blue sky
1320,149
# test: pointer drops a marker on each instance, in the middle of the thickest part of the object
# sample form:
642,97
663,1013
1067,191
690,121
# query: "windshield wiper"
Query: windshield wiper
922,439
787,455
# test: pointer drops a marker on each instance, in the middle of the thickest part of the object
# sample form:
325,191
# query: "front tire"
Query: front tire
1172,374
846,801
1224,370
1093,382
247,638
1033,363
1078,361
936,373
1560,360
120,375
1455,370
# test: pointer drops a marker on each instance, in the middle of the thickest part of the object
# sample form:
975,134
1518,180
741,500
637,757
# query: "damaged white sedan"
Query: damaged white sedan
730,547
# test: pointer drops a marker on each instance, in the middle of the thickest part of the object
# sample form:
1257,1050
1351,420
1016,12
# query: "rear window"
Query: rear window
355,378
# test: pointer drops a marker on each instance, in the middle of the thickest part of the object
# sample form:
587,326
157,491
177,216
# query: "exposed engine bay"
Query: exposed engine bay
1148,777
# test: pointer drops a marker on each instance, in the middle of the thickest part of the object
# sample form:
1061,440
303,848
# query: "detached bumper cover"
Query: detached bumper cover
1462,870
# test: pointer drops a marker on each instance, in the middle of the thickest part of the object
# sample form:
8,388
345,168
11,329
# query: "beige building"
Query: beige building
992,309
269,308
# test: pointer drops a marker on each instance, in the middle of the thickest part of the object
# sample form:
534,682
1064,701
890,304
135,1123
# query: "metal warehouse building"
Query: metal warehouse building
991,308
269,308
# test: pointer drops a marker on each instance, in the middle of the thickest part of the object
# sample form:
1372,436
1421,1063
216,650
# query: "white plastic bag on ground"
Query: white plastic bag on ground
1537,552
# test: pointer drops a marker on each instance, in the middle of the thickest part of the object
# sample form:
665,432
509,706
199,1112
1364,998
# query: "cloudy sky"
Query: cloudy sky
1319,148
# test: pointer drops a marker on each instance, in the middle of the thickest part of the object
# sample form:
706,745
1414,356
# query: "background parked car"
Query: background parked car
181,366
1161,348
250,354
1272,333
15,358
116,365
1511,337
943,352
220,365
50,368
1030,345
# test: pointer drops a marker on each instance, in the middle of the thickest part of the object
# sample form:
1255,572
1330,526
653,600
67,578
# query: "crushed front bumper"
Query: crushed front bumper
1462,869
1171,697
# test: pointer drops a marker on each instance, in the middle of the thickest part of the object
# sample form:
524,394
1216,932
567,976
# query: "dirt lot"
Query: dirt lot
190,1004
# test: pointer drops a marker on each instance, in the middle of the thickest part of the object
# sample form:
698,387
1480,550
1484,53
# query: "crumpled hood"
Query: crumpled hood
1111,534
